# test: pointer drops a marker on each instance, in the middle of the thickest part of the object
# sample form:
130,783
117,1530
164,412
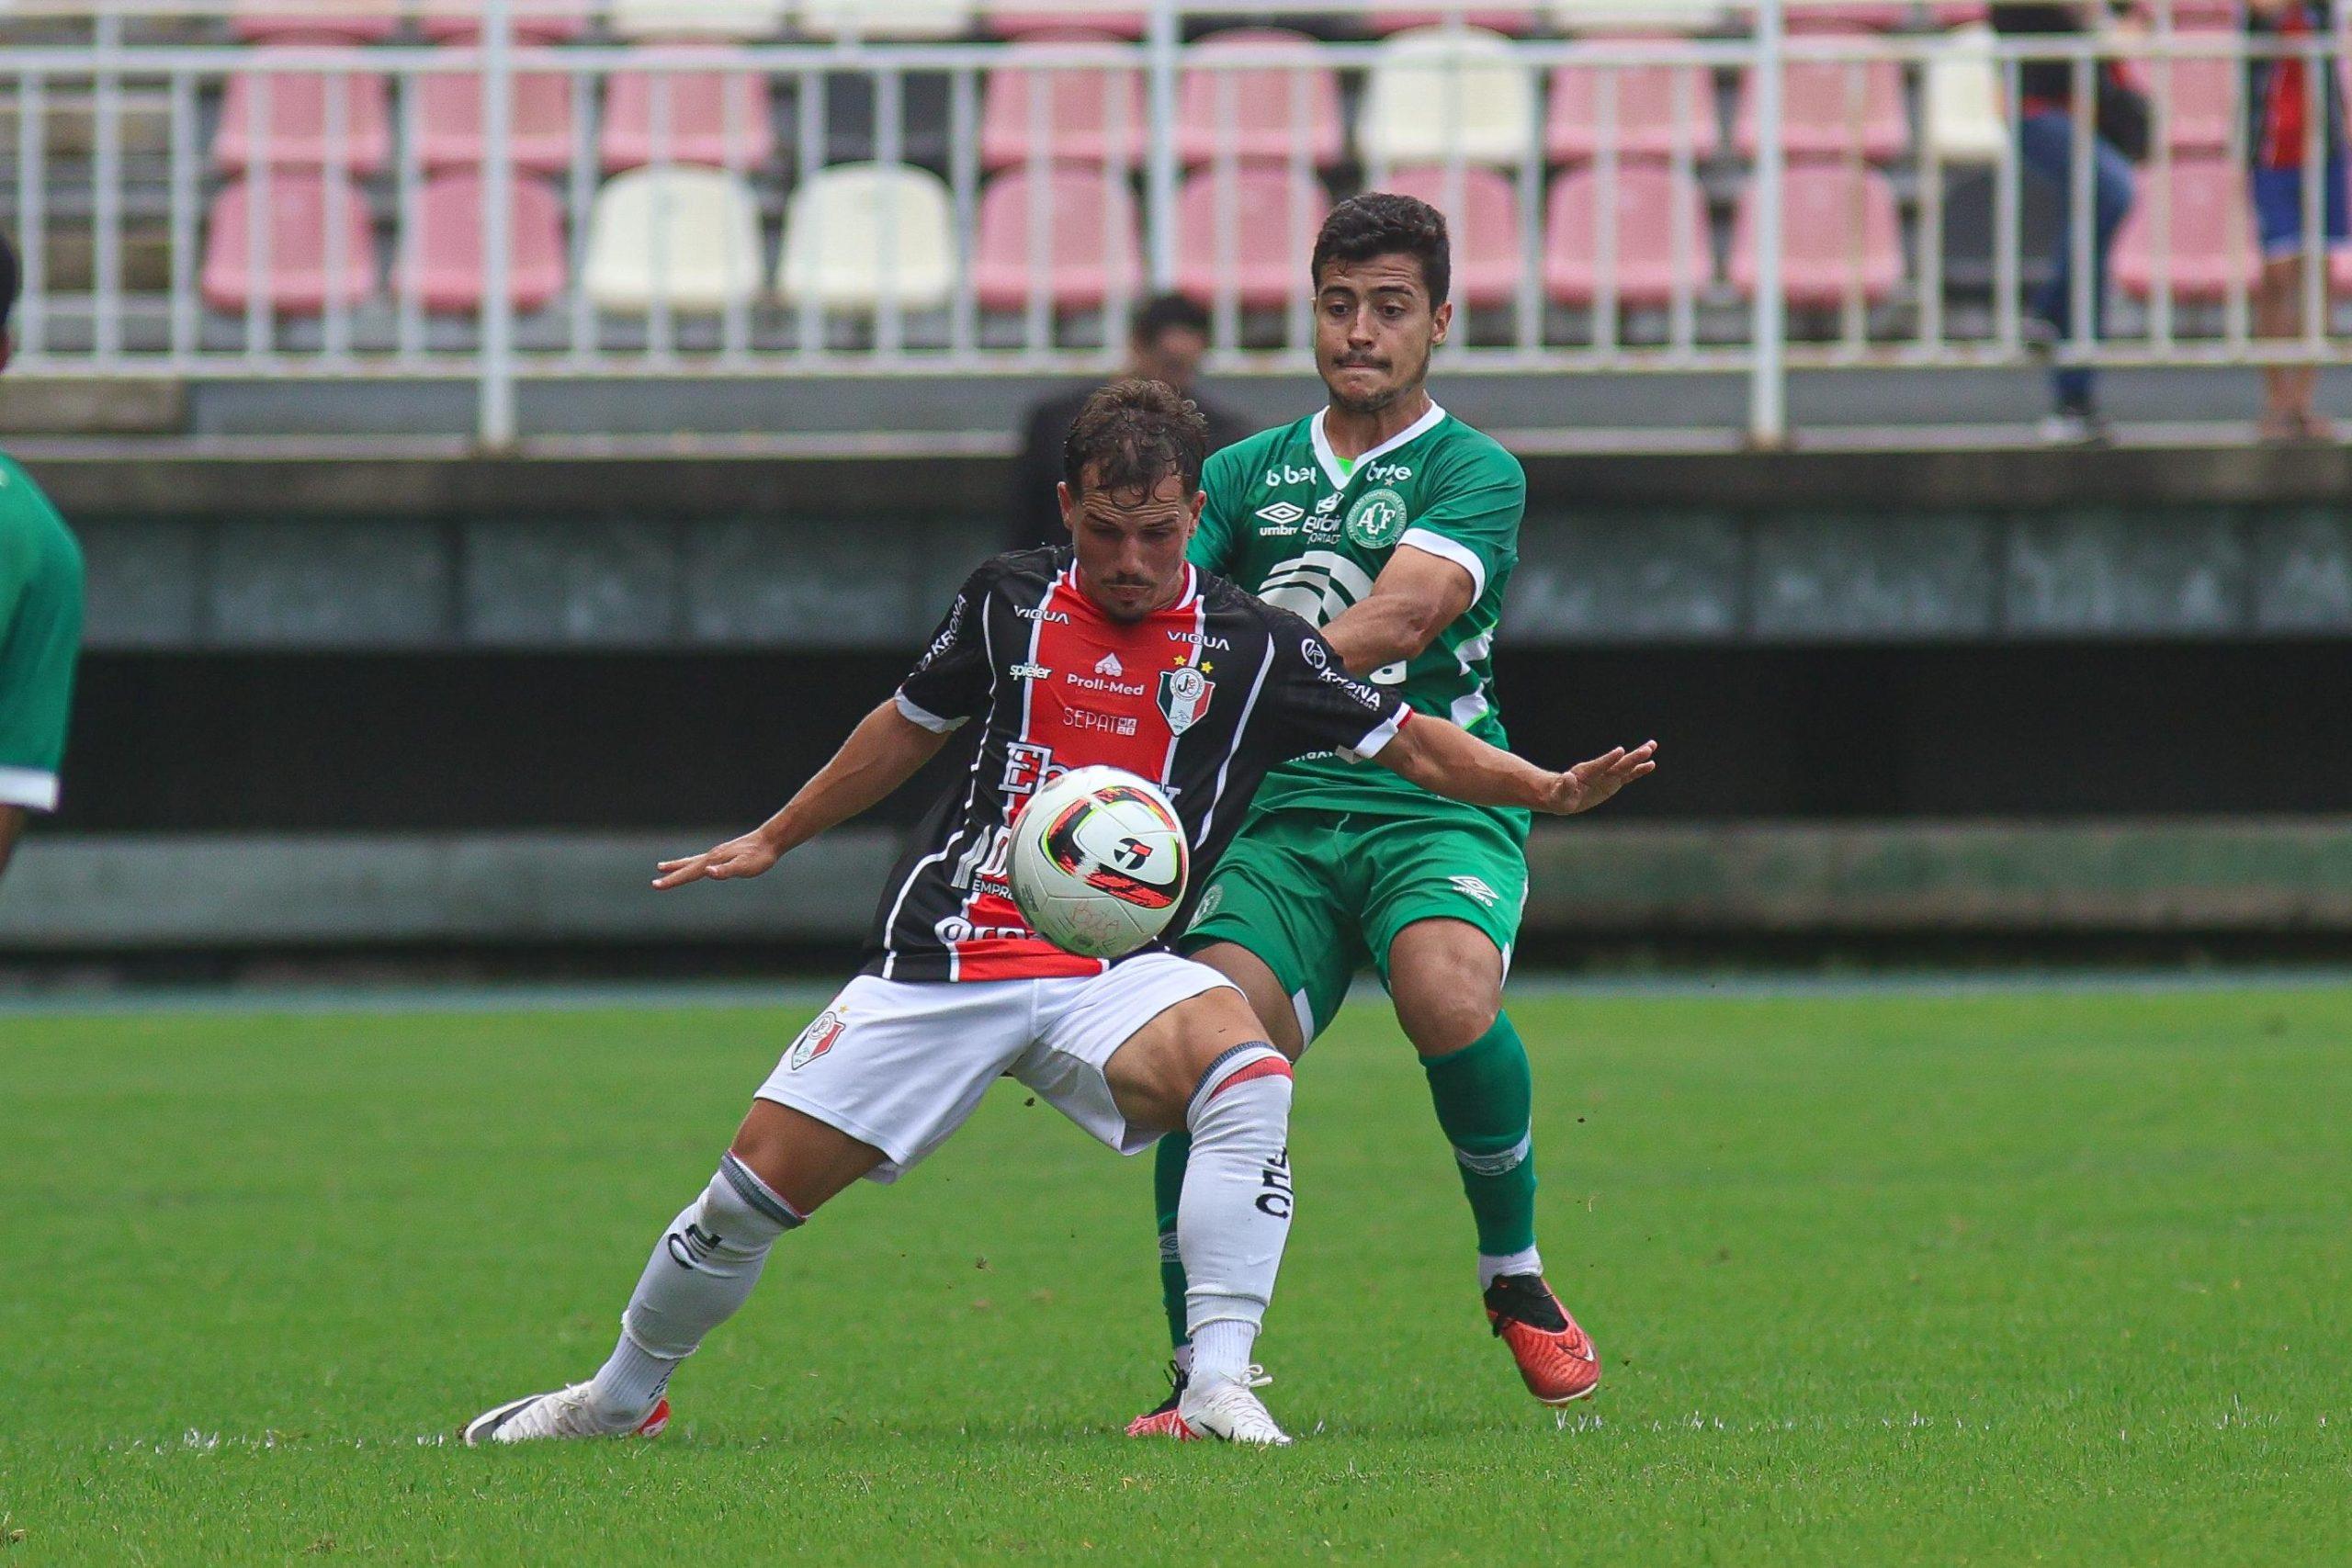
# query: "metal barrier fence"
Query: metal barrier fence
500,209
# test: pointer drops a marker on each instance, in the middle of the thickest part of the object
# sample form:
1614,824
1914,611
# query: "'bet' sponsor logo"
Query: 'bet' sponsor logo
1283,474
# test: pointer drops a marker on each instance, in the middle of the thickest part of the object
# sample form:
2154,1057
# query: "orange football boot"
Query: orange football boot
1556,1358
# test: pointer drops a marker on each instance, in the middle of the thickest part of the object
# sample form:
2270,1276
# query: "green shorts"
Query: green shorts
1316,894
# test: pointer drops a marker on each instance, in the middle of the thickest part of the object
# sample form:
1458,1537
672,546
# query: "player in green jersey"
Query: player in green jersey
41,625
1394,526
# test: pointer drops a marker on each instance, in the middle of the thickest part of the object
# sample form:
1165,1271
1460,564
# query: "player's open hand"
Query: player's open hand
746,856
1587,784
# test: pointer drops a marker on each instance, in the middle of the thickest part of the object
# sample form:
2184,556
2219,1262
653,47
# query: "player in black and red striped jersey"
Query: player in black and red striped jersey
1110,651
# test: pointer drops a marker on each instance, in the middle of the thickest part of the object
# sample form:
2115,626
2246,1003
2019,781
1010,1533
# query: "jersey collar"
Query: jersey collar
1185,600
1337,472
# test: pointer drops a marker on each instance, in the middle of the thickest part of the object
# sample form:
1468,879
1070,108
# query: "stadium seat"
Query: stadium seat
1441,93
2211,229
288,110
318,21
1636,17
450,277
1262,256
717,118
302,212
1081,107
884,19
1483,221
1250,113
1648,270
1961,100
1092,251
1960,12
536,21
2204,95
1016,20
449,121
1645,111
1831,108
841,224
1837,15
713,20
1838,234
1512,19
690,236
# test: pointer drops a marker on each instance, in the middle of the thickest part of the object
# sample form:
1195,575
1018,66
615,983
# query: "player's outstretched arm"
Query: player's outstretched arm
884,752
1447,760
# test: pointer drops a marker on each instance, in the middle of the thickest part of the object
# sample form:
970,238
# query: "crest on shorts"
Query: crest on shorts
1185,694
816,1040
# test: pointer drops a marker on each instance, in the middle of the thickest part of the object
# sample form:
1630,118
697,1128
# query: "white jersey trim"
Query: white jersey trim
33,788
916,714
1430,542
1339,473
1377,741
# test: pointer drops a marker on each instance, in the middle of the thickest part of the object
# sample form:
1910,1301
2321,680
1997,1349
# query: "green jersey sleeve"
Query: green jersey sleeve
40,643
1481,497
1217,540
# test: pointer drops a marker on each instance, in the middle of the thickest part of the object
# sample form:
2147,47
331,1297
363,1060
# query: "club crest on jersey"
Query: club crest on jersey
1185,694
1377,519
816,1040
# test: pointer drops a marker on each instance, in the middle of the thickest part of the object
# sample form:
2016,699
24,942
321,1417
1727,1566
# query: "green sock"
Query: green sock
1484,1095
1166,1185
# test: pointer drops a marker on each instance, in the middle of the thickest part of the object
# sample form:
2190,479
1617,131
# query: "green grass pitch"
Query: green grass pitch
1996,1279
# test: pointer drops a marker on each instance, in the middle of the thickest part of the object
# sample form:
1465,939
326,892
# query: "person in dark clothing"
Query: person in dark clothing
2046,141
1167,339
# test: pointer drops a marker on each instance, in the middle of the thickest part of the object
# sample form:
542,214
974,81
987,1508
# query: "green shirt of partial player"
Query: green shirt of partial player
1302,527
41,636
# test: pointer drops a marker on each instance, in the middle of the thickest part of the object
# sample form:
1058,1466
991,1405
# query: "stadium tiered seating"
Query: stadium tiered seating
315,21
1651,121
1447,93
1092,251
1835,15
1636,17
1261,113
1251,235
541,21
718,20
449,121
1087,116
450,277
1512,19
1014,20
1649,269
1482,215
282,118
2209,228
884,19
687,236
1961,101
717,118
863,237
1830,109
307,217
1839,236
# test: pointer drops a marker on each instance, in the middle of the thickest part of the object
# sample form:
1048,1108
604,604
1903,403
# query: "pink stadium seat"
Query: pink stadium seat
1512,19
1482,223
716,119
1080,109
1645,117
2211,229
460,21
450,277
302,210
317,21
1263,256
290,109
1951,13
1122,21
449,124
1250,112
2204,98
1882,16
1648,271
1818,120
1092,251
1838,234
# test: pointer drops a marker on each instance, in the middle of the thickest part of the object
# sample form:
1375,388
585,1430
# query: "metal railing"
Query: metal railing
118,158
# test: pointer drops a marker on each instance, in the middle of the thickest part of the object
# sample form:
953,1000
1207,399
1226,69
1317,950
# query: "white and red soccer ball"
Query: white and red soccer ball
1099,861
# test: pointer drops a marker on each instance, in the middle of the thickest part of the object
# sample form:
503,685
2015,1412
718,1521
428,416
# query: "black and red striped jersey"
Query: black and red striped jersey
1201,698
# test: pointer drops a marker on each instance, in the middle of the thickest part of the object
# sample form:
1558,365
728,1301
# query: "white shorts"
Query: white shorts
901,1064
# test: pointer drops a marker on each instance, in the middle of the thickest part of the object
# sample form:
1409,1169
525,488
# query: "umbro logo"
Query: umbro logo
1474,888
1109,665
1282,517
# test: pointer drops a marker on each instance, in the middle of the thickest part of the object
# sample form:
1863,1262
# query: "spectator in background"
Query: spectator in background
2046,141
41,624
2278,141
1167,339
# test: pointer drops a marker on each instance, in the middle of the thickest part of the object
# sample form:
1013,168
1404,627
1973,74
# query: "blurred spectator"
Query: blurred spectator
2046,140
41,624
2278,143
1166,340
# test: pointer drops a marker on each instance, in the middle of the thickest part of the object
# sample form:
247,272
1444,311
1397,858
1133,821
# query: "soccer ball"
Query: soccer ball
1099,861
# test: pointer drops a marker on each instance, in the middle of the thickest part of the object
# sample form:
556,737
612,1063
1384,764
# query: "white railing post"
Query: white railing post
1164,41
1767,377
496,421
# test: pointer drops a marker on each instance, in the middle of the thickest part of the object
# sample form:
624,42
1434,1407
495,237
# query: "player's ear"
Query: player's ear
1200,500
1069,503
1443,319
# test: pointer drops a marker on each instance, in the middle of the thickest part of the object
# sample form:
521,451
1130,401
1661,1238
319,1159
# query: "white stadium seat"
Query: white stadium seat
860,236
1963,100
687,235
719,20
885,18
1440,92
1635,16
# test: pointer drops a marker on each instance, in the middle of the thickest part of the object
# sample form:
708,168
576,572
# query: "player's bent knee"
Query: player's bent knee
805,1161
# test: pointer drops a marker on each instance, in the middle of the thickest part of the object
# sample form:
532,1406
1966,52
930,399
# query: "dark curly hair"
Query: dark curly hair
1133,433
1381,223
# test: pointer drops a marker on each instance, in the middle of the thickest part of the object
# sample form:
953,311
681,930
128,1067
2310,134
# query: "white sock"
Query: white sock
701,1270
1182,1357
1233,1216
1491,1268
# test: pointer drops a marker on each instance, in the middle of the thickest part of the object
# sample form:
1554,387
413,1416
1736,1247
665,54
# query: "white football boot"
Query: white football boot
566,1412
1225,1409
